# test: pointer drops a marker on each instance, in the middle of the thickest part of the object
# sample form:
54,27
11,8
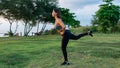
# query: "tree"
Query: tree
33,12
5,11
94,23
29,11
26,10
45,16
108,16
69,18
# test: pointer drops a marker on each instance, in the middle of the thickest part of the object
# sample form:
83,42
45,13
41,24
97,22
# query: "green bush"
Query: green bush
11,33
80,29
85,29
46,32
94,28
53,31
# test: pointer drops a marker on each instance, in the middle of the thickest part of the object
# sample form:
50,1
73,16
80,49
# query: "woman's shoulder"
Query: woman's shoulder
58,19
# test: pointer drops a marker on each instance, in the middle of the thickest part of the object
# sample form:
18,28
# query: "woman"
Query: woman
59,25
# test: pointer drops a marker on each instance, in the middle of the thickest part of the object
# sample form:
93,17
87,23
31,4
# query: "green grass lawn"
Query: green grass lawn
100,51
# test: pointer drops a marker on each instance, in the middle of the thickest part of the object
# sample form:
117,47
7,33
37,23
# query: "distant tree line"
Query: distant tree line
32,13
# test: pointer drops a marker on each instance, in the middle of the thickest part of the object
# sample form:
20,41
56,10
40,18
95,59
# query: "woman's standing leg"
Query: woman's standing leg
65,41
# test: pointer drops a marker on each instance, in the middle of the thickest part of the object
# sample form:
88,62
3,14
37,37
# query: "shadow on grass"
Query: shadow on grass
13,59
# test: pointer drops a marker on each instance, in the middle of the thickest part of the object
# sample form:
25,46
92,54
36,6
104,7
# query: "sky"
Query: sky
83,9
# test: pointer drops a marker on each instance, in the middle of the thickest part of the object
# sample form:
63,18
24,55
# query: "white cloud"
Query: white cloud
85,14
75,4
87,10
83,9
117,2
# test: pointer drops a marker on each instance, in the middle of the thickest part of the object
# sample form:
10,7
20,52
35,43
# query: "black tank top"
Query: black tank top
58,27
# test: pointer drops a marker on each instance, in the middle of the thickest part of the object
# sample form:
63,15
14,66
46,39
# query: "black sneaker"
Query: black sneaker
65,63
90,33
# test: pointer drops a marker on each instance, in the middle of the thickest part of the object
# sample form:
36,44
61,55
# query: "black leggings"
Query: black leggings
68,35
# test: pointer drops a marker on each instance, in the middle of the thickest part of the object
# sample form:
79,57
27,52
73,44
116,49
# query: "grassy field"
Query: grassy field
100,51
